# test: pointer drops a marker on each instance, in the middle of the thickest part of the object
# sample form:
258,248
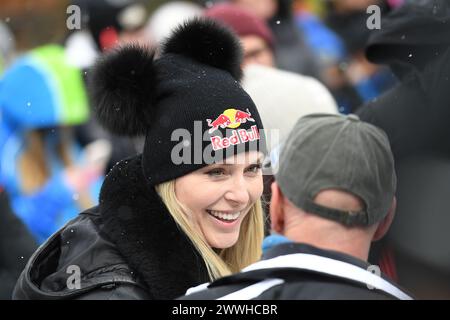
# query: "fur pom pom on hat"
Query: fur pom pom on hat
122,88
186,102
208,43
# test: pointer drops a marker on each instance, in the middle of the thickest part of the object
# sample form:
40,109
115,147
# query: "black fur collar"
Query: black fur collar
138,222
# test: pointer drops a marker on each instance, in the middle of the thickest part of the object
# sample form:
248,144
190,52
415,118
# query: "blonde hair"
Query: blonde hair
223,262
33,163
34,171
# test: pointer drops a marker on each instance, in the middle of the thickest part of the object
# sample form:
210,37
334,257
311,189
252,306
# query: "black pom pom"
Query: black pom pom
121,86
207,42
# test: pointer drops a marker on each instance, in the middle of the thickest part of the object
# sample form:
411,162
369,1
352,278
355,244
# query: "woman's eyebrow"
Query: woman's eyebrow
257,161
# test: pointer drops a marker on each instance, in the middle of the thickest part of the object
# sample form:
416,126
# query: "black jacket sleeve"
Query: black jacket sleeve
116,292
16,246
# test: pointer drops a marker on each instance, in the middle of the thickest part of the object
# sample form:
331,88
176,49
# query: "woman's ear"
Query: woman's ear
277,209
385,224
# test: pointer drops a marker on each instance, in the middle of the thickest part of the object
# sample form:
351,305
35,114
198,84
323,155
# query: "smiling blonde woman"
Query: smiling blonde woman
165,225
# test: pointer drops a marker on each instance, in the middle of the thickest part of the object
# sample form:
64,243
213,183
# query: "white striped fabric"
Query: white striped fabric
329,266
252,291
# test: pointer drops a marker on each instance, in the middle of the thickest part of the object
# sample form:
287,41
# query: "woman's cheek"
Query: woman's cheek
209,191
257,188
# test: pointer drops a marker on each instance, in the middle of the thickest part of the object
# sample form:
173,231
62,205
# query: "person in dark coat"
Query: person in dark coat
414,43
16,247
291,50
334,193
185,211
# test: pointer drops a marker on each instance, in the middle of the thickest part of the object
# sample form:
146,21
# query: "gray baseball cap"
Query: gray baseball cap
326,151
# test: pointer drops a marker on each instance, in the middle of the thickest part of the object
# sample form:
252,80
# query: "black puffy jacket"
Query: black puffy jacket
128,247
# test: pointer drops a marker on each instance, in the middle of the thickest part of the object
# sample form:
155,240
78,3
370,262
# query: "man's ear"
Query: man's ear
277,209
385,224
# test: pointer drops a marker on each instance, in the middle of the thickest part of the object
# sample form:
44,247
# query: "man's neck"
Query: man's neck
353,245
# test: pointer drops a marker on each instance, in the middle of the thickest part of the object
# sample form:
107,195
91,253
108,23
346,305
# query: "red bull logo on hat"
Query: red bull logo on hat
232,118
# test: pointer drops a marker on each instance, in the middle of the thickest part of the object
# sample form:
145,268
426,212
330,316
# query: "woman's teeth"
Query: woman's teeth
225,216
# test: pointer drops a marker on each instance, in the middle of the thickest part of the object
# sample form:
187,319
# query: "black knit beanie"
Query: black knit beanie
188,103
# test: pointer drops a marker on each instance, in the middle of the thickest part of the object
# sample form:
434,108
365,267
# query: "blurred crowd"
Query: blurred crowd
300,57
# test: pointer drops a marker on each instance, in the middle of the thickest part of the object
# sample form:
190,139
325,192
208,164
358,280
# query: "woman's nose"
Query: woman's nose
238,192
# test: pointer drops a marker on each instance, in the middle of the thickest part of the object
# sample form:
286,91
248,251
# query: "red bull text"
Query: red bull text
237,137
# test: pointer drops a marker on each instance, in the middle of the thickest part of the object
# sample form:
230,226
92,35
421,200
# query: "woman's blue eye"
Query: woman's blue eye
216,172
254,168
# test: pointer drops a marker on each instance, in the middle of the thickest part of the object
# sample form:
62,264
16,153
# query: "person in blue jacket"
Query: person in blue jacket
46,174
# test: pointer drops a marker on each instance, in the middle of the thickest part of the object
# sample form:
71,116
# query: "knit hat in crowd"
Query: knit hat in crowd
241,21
41,89
188,103
283,97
